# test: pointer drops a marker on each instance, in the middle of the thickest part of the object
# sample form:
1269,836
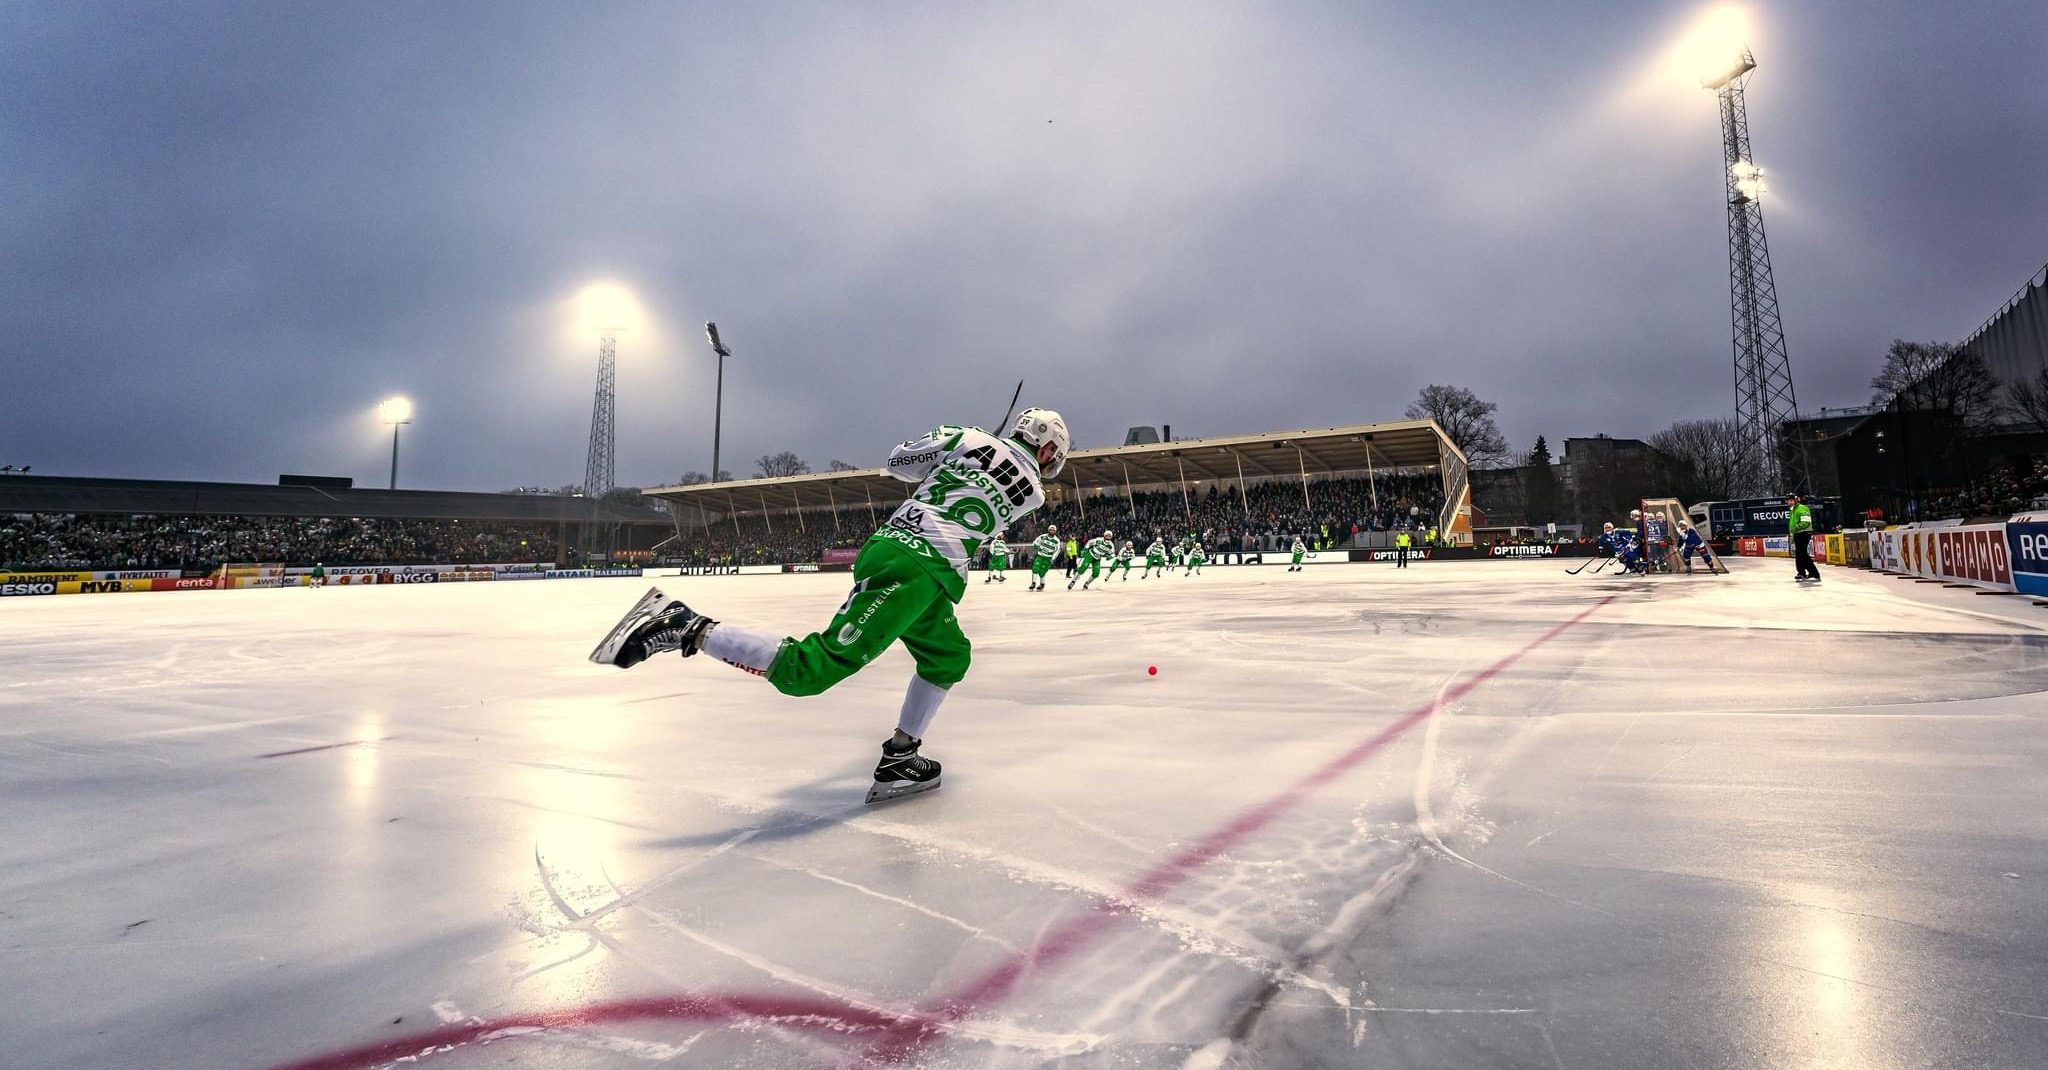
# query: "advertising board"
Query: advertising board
2026,541
184,583
1975,553
1979,554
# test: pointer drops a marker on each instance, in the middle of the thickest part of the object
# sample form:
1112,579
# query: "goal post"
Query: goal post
1662,536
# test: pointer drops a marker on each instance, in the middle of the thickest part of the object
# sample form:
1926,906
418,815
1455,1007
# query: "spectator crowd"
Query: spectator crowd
2013,487
202,543
1265,516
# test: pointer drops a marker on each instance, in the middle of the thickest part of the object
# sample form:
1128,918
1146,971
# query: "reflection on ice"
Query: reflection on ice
515,836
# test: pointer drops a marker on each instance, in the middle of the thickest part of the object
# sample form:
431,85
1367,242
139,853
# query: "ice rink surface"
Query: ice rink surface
1478,815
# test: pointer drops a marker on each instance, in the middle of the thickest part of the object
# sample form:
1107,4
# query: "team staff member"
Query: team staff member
1401,550
1799,520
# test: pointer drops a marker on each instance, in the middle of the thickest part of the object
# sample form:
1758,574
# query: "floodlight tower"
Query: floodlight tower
597,470
397,412
1764,399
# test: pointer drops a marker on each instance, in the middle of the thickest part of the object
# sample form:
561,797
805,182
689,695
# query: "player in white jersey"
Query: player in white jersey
1155,557
1124,553
909,575
1098,552
1044,549
998,559
1300,550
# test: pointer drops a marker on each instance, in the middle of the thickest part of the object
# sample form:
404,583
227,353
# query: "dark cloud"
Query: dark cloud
231,229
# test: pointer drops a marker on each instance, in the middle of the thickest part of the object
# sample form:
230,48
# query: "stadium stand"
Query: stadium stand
51,522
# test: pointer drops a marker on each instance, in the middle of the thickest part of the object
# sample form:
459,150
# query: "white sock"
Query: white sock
920,705
742,648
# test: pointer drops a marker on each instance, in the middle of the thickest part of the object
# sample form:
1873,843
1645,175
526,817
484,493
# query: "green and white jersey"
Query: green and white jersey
1299,546
1156,551
1100,548
1125,553
1195,551
970,484
998,547
1045,545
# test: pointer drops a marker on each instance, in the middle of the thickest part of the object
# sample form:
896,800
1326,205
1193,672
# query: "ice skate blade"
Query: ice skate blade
897,789
643,609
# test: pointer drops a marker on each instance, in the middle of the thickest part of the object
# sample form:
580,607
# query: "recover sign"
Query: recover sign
2026,540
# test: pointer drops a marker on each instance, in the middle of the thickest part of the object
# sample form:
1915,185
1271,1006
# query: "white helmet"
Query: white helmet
1609,526
1052,529
1635,514
1109,534
1040,426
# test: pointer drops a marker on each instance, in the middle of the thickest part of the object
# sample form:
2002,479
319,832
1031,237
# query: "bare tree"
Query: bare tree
1466,420
1705,460
693,477
2027,399
1937,377
838,465
781,464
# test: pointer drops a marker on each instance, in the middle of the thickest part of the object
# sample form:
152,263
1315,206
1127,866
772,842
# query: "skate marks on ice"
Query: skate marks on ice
1256,1038
1080,934
1228,878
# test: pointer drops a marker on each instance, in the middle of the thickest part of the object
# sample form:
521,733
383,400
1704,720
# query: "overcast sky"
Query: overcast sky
229,230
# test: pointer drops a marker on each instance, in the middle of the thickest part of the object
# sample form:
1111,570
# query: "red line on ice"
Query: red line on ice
817,1014
903,1036
323,746
907,1035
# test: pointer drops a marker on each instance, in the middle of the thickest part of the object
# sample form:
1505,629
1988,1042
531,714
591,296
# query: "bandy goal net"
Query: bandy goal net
1663,537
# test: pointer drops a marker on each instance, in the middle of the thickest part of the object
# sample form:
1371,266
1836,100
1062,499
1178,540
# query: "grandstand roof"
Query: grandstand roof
69,494
1356,448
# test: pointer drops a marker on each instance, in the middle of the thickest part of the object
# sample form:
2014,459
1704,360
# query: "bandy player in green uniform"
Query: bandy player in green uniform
1044,549
1124,554
998,559
906,580
1097,551
1195,557
1155,557
1300,548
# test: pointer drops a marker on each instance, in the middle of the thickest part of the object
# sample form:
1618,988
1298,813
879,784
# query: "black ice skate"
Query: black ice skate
902,772
656,624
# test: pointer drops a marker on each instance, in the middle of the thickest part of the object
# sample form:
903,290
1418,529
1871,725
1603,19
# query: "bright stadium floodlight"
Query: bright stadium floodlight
1715,51
607,308
1749,180
396,411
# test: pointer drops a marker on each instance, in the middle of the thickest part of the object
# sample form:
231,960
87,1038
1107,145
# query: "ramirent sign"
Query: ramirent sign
2026,538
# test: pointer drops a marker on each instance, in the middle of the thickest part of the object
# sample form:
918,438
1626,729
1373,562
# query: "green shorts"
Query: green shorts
894,598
